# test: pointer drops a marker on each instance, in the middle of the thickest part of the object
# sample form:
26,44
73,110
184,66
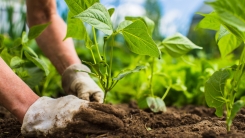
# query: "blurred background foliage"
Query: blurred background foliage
188,74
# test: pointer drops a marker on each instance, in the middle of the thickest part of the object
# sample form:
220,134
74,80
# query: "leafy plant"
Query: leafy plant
221,88
176,46
134,32
18,55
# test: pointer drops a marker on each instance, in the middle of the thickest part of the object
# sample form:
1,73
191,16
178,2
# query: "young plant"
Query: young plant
228,19
176,46
18,55
134,32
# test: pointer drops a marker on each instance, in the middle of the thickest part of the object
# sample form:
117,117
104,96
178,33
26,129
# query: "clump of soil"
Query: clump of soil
189,122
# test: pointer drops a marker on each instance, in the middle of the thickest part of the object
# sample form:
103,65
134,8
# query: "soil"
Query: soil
185,122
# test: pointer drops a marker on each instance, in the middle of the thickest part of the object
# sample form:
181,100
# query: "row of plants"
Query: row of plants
130,65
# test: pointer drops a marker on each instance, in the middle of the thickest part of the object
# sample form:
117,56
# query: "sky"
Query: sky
176,15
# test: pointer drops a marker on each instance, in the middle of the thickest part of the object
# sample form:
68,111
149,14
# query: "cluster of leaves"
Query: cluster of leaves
23,60
228,19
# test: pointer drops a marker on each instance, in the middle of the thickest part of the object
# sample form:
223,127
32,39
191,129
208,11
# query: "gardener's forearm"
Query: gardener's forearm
15,95
61,53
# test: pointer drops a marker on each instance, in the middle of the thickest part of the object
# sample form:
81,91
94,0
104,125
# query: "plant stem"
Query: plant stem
93,56
109,83
236,81
151,79
111,60
166,92
96,43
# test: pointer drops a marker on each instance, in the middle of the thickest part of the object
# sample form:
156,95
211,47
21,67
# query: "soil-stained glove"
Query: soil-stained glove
81,84
48,116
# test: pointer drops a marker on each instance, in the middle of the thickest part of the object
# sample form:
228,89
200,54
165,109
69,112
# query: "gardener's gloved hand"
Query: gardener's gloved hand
70,114
81,84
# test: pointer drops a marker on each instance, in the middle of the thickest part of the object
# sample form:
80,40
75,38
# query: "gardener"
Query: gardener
44,115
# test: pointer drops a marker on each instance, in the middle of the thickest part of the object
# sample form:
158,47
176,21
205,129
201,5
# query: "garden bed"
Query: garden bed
189,121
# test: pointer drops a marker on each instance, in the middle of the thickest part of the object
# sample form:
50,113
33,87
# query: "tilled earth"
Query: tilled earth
186,122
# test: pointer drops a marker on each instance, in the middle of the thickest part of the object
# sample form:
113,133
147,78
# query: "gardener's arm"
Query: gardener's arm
15,95
61,53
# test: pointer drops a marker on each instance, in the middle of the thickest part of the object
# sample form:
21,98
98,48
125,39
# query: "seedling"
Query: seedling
221,88
134,32
176,46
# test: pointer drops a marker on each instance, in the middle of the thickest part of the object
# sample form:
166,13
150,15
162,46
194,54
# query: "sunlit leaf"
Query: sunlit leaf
227,41
36,30
97,16
78,6
139,41
76,29
149,23
231,13
125,73
123,24
178,45
210,21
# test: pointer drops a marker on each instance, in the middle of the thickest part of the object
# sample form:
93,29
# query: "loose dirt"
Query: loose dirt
185,122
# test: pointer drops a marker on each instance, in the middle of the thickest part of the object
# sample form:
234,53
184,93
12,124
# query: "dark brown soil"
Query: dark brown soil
186,122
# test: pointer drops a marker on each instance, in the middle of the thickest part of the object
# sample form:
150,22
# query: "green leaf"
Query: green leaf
156,104
178,45
24,38
125,73
123,24
35,76
111,11
231,13
149,23
30,52
17,43
78,6
138,39
36,30
214,90
221,33
210,21
97,16
16,62
237,106
76,28
227,41
39,63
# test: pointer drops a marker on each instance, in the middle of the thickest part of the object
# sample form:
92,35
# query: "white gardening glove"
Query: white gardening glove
48,116
81,84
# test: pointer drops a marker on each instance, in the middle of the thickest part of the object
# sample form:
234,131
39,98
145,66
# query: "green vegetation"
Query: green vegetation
137,33
222,87
172,71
